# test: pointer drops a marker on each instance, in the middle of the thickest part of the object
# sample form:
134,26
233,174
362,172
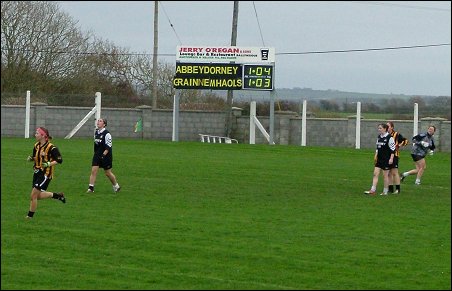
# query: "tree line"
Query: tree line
45,52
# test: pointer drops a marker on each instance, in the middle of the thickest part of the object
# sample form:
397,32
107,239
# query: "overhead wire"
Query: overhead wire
172,26
258,24
365,50
283,53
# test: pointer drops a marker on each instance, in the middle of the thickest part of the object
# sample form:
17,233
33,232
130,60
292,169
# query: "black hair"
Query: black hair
384,125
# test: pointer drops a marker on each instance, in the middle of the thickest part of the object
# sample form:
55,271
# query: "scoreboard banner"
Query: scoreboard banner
259,55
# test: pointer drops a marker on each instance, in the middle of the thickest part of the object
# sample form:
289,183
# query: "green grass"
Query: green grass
220,216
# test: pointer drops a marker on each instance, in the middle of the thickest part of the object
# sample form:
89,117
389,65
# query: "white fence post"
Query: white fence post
358,126
416,119
303,125
252,127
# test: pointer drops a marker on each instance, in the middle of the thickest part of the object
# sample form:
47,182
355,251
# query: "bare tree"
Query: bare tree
141,75
35,41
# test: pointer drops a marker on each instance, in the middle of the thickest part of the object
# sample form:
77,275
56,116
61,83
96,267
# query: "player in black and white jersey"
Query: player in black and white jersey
384,158
103,156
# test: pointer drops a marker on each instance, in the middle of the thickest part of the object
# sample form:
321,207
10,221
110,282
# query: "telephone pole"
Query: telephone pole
154,59
235,16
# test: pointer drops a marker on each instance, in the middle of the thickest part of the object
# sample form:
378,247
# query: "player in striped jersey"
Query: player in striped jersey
394,176
45,157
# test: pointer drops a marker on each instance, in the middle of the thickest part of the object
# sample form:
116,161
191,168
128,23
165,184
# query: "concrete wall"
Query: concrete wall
158,125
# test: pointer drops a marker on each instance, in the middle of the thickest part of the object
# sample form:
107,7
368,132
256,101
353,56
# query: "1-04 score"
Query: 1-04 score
258,77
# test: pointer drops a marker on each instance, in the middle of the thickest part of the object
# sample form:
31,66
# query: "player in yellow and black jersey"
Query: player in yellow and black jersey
394,176
45,157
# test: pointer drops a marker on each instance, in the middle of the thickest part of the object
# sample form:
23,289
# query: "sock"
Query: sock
418,181
385,190
391,188
30,214
397,188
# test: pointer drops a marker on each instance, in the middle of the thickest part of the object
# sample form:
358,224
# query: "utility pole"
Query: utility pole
154,59
235,16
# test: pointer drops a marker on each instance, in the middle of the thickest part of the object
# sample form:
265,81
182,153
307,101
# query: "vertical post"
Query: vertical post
252,126
358,126
154,57
303,125
98,105
416,119
272,116
230,94
27,115
175,136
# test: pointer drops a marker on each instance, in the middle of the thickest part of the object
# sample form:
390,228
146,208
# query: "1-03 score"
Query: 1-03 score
258,77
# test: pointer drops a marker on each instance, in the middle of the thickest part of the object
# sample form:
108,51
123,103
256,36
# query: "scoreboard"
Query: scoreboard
223,76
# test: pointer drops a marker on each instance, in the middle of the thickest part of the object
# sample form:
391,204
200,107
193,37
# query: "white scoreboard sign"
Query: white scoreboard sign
253,55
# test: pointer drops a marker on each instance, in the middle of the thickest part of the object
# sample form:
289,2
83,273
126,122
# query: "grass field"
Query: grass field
220,216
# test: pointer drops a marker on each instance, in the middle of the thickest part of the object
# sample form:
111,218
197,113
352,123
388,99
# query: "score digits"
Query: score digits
258,77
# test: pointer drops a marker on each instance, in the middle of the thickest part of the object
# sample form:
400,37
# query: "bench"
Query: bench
216,139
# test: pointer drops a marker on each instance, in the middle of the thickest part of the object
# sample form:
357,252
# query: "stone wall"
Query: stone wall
158,125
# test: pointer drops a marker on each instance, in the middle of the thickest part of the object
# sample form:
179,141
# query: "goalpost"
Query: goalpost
255,122
357,129
96,110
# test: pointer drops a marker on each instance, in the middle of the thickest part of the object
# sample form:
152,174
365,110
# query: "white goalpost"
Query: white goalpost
95,110
358,124
255,122
27,115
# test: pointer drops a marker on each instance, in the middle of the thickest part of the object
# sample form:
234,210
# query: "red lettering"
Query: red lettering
190,49
222,50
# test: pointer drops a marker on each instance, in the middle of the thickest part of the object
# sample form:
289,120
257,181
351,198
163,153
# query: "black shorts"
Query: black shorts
384,165
104,163
417,157
40,181
395,163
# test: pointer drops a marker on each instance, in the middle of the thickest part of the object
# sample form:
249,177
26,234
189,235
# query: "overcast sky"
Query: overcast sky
303,27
